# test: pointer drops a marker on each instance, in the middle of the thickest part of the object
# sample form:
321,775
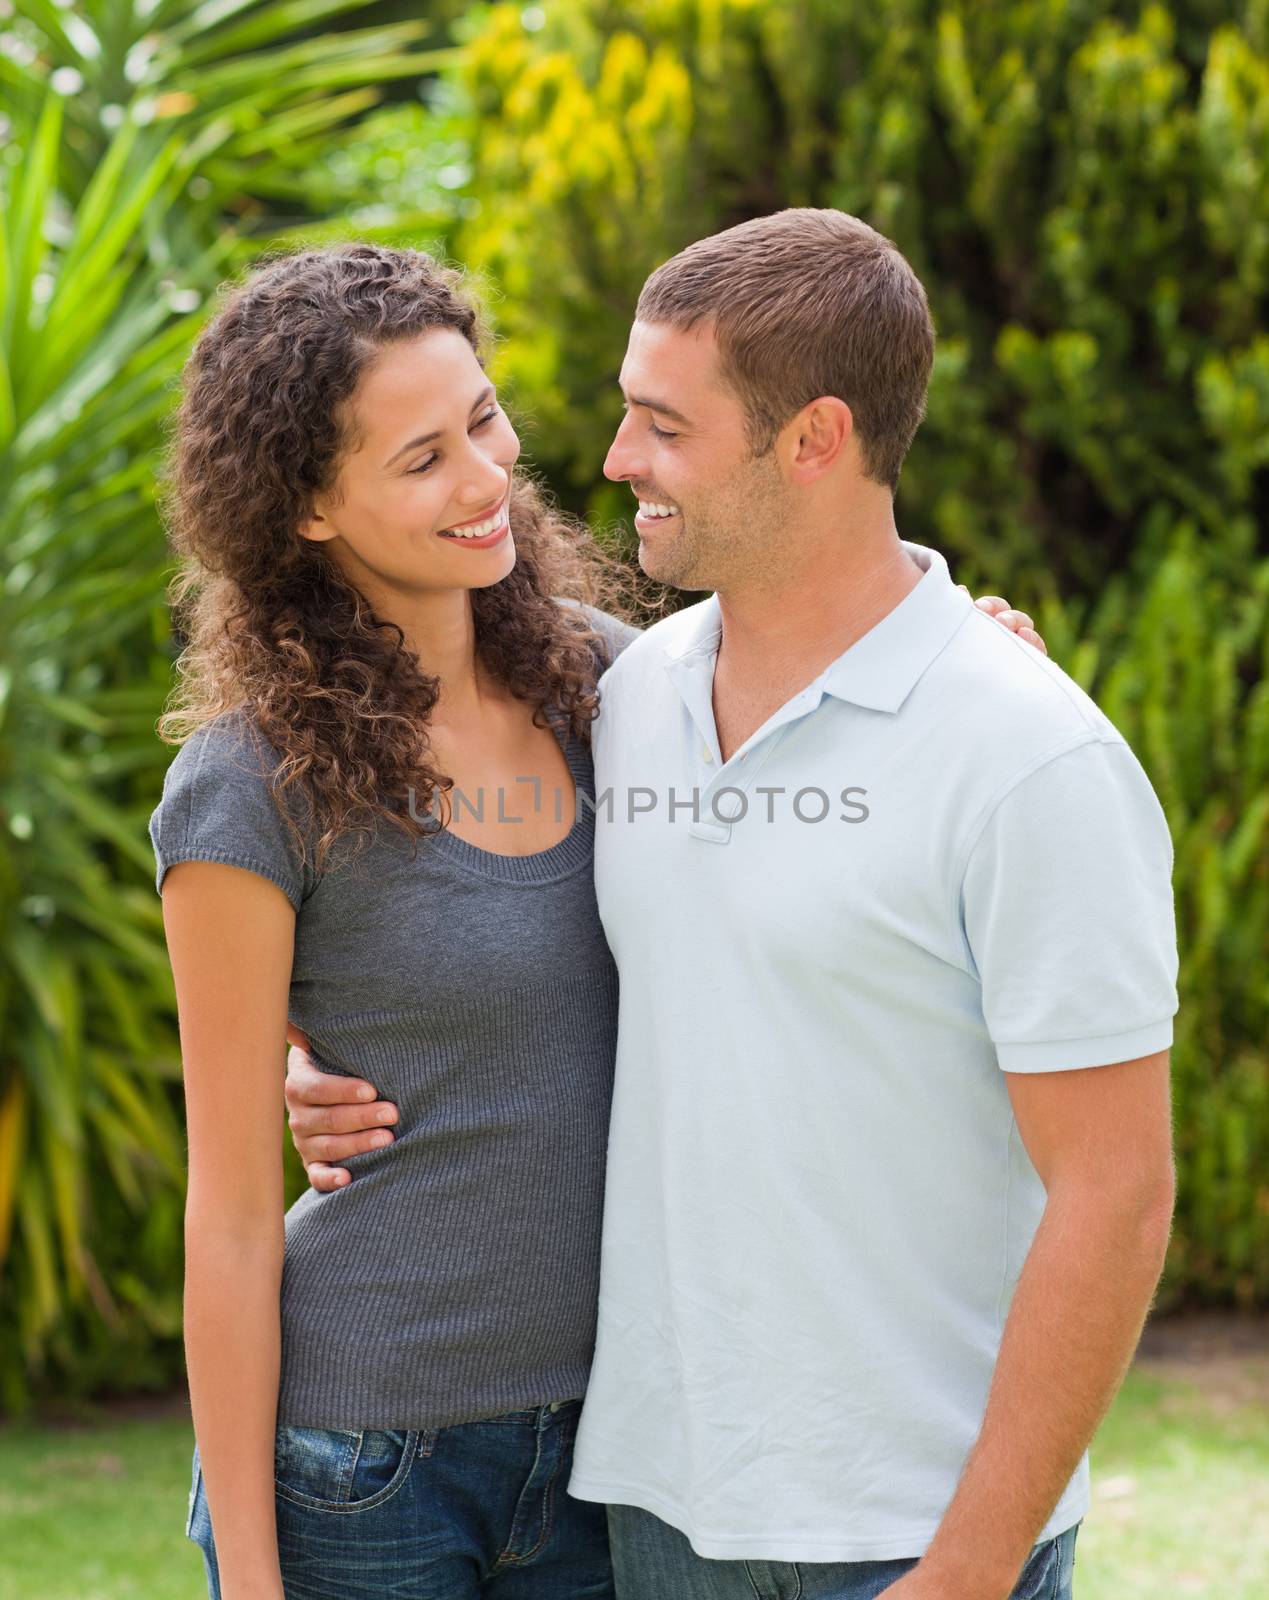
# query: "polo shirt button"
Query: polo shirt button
709,754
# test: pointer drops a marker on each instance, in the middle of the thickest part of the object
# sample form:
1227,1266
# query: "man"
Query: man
890,1175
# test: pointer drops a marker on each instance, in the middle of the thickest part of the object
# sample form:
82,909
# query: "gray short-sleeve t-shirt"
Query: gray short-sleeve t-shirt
456,1277
217,806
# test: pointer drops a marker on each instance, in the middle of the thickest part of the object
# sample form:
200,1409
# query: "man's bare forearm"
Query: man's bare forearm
1073,1325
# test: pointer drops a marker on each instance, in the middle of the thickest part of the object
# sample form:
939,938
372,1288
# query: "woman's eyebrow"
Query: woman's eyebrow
426,438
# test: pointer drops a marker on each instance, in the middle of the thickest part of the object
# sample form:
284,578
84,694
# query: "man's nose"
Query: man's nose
623,462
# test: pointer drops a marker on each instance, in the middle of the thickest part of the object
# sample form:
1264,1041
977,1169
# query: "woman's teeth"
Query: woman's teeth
477,530
649,508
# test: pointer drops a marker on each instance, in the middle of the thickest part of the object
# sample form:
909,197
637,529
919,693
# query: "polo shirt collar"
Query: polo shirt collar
882,668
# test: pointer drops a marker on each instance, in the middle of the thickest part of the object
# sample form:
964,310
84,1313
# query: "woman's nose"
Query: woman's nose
485,487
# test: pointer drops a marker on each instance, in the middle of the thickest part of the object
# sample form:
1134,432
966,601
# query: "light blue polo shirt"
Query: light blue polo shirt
938,861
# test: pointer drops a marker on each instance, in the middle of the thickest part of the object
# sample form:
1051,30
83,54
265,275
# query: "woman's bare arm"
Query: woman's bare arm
230,938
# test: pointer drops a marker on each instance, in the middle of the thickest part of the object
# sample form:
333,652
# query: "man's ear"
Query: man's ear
817,438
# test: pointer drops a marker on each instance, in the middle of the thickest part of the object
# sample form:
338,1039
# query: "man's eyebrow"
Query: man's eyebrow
650,404
426,438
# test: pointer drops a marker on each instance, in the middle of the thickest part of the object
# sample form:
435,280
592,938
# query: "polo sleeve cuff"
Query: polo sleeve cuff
1061,1055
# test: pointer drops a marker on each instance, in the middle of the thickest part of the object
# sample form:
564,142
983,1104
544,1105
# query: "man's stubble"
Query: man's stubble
737,536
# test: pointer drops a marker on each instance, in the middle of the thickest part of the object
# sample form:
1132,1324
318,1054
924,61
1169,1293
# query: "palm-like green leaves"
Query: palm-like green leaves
141,133
92,340
254,87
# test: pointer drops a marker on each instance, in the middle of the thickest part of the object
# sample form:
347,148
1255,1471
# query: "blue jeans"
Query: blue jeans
477,1509
652,1561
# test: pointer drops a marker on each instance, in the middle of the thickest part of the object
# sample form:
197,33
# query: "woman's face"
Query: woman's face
420,502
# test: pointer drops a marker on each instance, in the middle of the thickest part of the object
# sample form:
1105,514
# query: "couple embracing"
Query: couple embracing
731,1059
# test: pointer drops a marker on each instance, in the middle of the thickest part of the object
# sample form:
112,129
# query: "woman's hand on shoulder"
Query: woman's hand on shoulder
1016,621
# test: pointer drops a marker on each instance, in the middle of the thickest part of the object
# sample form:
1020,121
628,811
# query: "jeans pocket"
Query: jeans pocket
195,1482
342,1470
1039,1578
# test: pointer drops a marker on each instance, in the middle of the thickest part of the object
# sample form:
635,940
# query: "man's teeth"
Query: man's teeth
478,530
650,508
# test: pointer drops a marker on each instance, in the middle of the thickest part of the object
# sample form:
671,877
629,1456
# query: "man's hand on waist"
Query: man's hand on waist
331,1117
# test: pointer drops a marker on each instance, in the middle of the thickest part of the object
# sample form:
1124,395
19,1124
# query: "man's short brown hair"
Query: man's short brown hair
807,303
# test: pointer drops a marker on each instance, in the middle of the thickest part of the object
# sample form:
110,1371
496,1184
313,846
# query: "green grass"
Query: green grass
1180,1502
97,1513
1180,1508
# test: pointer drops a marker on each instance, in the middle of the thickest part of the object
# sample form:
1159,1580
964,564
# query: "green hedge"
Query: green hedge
1082,188
1180,663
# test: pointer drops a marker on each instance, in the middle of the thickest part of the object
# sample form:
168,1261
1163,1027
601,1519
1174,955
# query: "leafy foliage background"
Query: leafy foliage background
1082,187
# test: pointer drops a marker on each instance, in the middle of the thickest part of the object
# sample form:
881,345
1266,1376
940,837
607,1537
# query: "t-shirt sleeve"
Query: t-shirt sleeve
217,806
1069,916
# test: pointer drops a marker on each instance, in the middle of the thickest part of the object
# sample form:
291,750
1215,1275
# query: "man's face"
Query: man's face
683,450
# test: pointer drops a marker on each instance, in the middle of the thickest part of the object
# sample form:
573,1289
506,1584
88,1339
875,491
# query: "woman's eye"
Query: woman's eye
660,433
426,466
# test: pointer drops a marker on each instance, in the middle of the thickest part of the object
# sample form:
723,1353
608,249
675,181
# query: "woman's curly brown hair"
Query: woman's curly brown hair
273,628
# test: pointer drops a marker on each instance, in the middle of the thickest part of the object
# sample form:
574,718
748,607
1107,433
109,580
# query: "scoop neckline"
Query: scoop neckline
558,860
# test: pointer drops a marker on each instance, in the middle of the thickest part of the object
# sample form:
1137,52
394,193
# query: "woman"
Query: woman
373,833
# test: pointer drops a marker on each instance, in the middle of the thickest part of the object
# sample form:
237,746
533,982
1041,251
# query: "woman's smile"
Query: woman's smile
482,533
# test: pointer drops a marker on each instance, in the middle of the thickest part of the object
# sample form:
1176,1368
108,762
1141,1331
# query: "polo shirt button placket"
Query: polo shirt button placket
711,825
